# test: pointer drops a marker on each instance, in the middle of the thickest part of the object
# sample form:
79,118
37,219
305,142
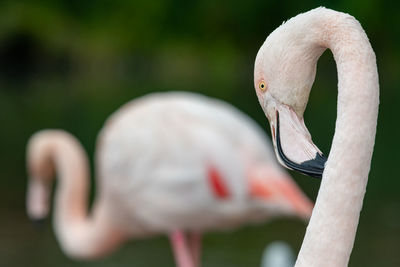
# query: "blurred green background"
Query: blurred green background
69,64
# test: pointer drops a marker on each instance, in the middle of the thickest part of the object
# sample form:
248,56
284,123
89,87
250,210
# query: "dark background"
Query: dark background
69,64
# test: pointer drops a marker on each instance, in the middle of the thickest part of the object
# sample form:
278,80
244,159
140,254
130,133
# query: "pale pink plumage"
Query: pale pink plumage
286,63
175,163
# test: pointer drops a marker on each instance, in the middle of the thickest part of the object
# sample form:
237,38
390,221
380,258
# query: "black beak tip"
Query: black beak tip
38,223
314,167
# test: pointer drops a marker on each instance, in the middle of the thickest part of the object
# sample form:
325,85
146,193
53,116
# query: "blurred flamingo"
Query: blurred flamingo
174,163
284,73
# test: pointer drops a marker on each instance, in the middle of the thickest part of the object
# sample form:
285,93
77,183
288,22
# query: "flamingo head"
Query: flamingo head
284,73
41,170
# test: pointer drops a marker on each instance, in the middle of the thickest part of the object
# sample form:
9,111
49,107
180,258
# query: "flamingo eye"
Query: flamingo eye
262,86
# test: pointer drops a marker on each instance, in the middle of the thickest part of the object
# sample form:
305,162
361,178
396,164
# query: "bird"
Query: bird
173,163
284,71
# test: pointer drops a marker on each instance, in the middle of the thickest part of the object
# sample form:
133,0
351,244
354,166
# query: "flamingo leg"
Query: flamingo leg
182,254
194,240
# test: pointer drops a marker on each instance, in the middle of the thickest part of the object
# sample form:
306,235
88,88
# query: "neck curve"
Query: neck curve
331,232
80,235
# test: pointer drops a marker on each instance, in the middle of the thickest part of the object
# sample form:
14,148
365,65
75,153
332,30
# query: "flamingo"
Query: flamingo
174,163
284,72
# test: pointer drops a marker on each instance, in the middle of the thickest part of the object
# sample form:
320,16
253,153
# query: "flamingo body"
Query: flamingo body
177,158
170,163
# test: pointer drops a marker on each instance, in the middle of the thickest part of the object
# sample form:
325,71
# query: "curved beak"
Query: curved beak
268,182
293,145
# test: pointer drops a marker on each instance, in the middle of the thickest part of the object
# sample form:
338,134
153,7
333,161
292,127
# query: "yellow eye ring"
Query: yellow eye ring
262,86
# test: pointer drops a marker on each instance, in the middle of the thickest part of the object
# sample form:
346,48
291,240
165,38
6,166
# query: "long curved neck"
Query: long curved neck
331,232
51,151
71,197
79,235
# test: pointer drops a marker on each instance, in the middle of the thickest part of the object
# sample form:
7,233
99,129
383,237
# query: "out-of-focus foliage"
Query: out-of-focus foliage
69,64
